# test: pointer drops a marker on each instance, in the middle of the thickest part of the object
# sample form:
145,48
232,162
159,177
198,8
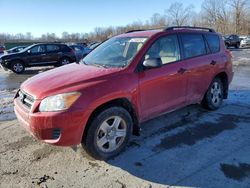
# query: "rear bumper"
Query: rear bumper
57,128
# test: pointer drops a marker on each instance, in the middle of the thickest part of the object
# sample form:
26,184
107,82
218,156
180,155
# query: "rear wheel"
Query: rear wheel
237,45
108,133
64,61
214,95
17,67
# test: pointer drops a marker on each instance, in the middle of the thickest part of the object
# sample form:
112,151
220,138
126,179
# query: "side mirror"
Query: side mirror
152,63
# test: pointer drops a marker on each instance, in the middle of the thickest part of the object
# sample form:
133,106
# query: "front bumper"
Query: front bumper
57,128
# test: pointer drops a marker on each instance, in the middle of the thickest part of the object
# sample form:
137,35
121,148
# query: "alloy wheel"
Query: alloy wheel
111,134
216,93
65,62
18,67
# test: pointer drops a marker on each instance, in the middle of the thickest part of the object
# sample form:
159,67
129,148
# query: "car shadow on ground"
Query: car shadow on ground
181,144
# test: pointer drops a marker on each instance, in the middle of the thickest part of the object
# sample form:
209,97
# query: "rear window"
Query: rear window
213,43
193,45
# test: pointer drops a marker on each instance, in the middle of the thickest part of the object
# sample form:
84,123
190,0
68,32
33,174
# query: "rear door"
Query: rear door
52,53
163,89
198,61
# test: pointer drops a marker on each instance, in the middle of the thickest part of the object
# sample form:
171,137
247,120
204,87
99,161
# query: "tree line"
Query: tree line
225,16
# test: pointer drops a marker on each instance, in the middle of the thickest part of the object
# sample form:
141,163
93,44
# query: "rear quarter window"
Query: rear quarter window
193,45
213,43
65,48
52,48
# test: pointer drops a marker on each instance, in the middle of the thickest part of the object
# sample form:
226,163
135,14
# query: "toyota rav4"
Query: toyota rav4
128,79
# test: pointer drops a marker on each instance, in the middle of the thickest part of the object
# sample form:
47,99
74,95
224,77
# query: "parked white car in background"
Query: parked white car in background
245,42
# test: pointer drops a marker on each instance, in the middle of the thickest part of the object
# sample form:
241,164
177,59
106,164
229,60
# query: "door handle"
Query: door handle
213,62
43,54
182,71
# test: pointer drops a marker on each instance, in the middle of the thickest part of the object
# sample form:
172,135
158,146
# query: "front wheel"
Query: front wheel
17,67
108,133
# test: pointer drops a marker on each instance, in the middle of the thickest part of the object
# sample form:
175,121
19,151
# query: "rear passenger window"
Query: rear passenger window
213,43
193,45
166,48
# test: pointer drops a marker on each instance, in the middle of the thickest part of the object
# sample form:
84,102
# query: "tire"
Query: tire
214,96
64,61
237,46
17,67
101,140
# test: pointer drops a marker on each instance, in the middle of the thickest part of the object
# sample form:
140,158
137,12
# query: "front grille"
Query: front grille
25,99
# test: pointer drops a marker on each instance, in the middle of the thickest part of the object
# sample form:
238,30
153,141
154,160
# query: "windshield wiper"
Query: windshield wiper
98,65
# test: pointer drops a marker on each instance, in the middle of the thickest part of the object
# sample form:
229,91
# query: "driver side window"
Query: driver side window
37,49
166,48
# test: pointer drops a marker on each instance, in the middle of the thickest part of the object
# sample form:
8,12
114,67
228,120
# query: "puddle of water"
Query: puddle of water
9,80
191,136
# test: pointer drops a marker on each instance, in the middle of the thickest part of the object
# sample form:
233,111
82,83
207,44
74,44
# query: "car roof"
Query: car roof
149,33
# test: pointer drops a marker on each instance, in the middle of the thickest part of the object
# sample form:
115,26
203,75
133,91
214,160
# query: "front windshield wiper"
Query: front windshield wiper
95,64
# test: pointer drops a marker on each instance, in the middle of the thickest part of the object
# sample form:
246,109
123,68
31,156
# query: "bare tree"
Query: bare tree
239,9
158,21
215,14
178,14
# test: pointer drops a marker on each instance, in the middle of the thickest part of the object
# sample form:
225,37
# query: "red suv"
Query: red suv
126,80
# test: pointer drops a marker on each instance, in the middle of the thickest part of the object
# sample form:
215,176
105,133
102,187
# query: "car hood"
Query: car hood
11,55
69,78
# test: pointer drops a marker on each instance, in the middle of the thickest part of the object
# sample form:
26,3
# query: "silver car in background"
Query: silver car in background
245,42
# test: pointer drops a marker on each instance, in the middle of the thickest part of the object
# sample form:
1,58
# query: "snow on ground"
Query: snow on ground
6,104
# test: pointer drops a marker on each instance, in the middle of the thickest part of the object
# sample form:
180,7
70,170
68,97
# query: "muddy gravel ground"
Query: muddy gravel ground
191,147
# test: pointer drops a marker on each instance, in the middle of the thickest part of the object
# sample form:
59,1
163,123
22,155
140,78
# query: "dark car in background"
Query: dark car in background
2,48
16,49
232,41
80,51
42,54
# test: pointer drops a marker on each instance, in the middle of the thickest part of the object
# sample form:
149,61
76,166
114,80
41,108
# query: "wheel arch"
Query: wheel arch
120,102
14,60
64,56
224,78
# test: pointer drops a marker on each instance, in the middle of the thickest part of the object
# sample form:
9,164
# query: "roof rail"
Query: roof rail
135,30
189,27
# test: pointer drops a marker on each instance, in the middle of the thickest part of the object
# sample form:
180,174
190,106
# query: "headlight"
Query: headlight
58,102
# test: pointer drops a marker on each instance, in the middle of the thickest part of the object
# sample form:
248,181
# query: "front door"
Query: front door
163,89
37,55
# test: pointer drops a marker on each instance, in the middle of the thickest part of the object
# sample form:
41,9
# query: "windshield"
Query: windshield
26,48
115,52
